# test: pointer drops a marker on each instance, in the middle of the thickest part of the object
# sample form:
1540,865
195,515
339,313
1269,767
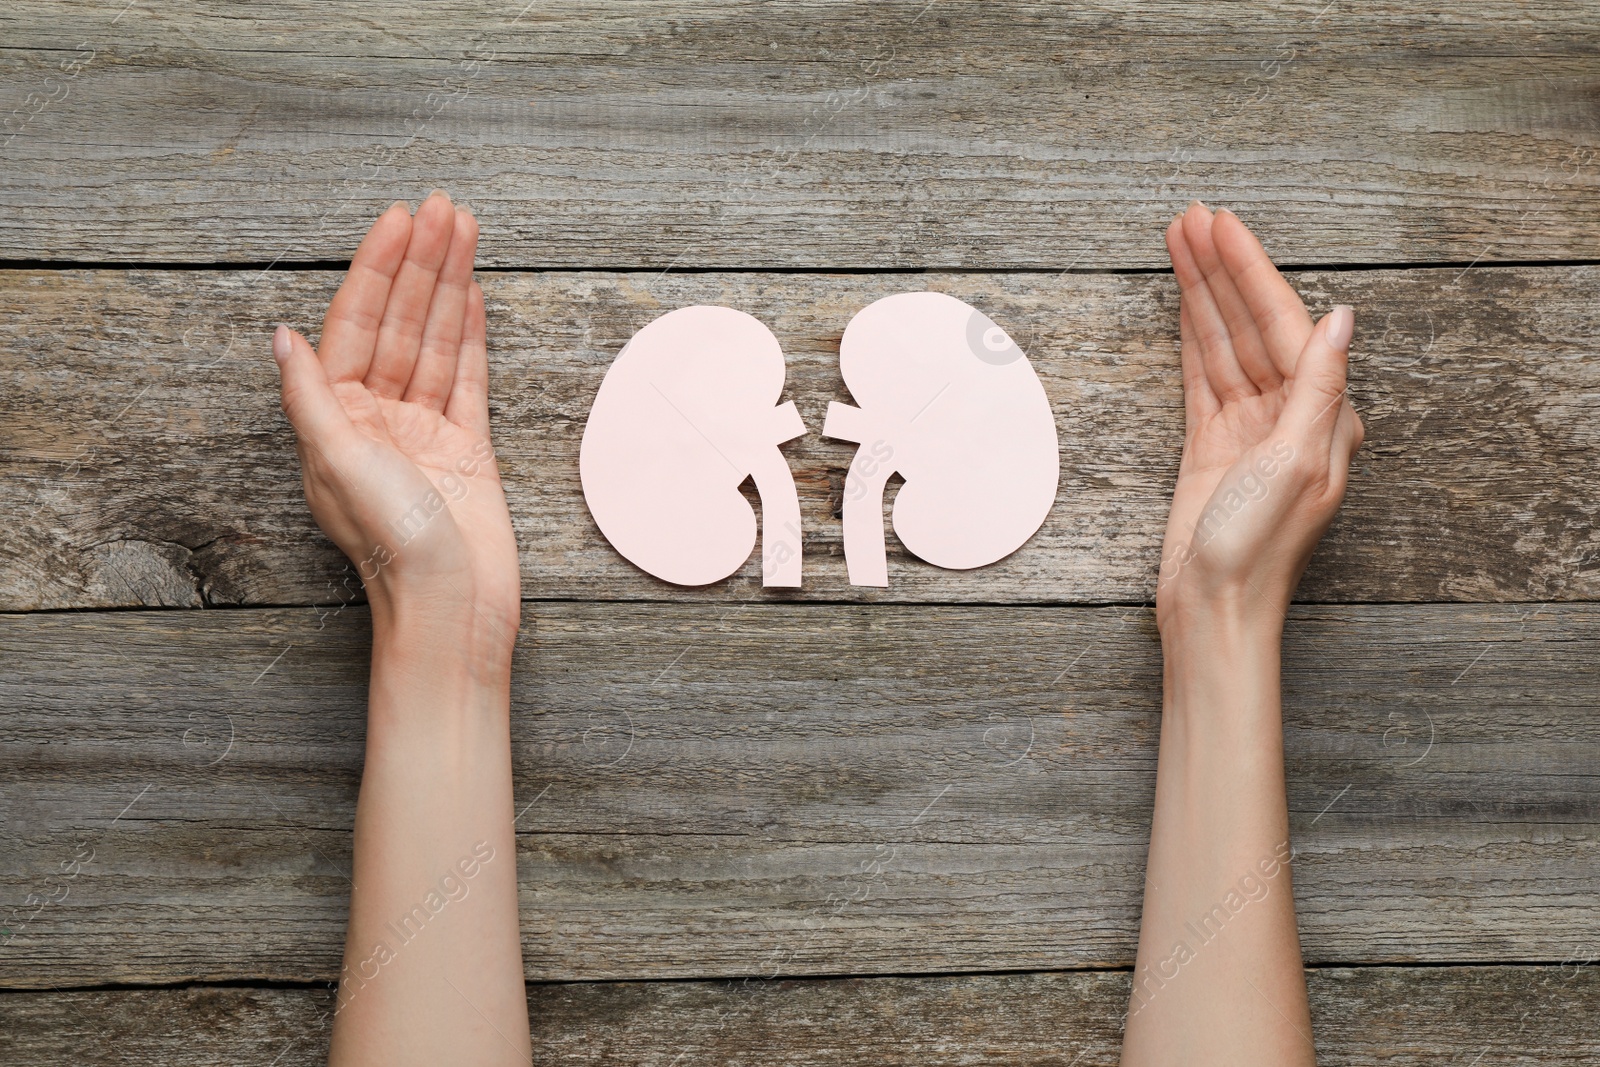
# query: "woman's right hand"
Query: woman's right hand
1270,430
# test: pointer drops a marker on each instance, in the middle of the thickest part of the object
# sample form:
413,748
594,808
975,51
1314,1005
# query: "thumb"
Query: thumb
308,399
1317,392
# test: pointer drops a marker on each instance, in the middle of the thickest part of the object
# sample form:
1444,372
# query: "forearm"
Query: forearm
433,966
1219,978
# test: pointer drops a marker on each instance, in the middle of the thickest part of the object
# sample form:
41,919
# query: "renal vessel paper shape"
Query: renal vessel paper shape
950,401
686,413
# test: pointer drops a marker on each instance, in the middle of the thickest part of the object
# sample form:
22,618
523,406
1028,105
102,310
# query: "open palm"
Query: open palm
392,421
1269,428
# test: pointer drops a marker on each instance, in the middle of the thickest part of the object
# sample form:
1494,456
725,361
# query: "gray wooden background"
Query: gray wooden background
923,808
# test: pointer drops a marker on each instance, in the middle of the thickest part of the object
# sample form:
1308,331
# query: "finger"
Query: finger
1346,439
308,400
350,328
1199,402
441,337
1228,381
1280,316
400,335
1347,436
1248,346
1317,390
1349,433
469,394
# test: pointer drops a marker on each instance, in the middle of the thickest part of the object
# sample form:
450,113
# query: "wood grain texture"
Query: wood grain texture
146,462
801,789
1401,1016
964,134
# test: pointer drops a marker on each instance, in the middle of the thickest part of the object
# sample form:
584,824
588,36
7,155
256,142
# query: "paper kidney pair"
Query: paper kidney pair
689,410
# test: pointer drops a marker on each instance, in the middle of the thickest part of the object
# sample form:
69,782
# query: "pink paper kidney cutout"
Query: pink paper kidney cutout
950,401
685,413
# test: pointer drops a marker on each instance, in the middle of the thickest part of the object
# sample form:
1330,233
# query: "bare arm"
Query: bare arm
392,423
1270,434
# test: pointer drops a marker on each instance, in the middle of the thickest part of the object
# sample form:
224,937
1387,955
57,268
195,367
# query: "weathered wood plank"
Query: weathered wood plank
145,461
813,789
803,134
1401,1016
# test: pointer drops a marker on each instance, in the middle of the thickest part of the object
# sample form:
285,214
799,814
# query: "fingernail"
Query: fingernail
1201,204
402,205
1341,324
281,345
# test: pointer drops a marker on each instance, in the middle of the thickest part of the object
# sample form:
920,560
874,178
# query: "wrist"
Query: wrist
1221,660
1189,603
441,630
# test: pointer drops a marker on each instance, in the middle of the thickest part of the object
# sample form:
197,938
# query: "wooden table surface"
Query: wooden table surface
923,809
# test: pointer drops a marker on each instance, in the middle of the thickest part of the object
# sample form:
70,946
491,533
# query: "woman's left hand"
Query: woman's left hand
391,418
